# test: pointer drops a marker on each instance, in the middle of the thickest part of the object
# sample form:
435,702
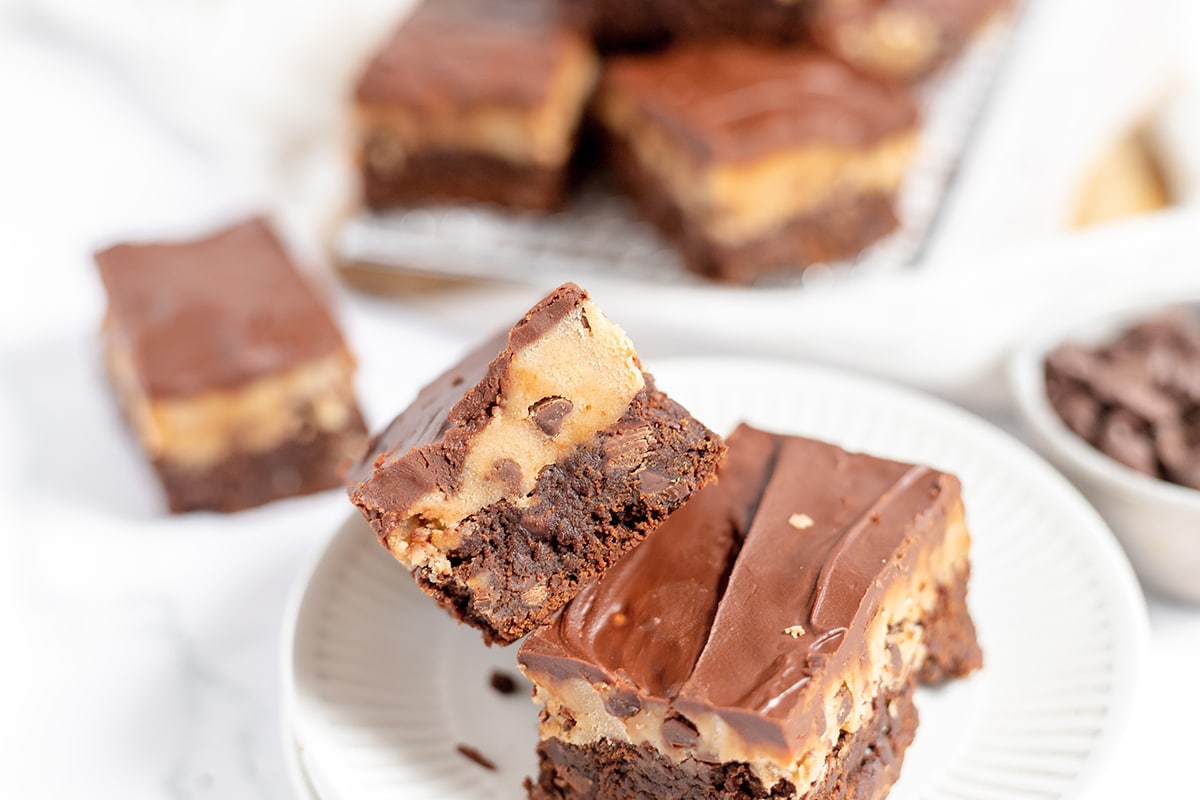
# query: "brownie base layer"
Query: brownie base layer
462,176
842,228
952,650
243,479
863,766
516,566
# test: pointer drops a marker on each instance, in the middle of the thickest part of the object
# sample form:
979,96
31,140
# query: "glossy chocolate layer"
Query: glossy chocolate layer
452,54
424,448
732,102
213,313
736,601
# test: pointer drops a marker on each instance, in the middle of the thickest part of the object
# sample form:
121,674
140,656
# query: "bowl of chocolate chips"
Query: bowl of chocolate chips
1113,398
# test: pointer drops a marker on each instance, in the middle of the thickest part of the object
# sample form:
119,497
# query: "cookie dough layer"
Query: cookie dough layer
514,479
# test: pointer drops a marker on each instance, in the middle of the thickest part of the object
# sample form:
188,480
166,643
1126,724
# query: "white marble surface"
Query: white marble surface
140,658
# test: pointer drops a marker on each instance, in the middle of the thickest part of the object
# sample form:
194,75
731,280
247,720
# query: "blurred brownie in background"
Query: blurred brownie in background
755,160
474,101
902,40
229,368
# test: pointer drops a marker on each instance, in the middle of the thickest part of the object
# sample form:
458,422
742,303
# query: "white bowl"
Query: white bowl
1158,523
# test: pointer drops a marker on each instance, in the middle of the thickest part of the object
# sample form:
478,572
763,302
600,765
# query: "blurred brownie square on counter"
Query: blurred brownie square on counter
229,369
474,101
755,160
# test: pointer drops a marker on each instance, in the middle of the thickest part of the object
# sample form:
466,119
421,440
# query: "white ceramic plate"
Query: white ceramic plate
382,686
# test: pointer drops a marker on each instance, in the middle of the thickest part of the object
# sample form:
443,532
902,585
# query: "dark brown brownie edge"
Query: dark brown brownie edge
618,25
462,176
640,24
244,479
842,228
863,766
589,509
950,642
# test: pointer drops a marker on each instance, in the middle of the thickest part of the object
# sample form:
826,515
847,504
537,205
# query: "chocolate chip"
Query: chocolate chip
508,473
651,481
622,703
1124,438
1136,398
549,412
476,756
679,731
502,682
628,449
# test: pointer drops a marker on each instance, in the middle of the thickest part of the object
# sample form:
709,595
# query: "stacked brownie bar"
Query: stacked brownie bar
765,640
757,136
755,636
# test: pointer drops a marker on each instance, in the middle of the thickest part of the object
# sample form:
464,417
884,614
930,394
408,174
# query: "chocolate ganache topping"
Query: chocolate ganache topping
451,54
733,102
213,313
749,588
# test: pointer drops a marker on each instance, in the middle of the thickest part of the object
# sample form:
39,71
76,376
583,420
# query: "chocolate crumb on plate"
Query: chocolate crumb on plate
476,756
502,682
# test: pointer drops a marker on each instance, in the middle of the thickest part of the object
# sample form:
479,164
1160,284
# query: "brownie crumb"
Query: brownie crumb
476,756
502,682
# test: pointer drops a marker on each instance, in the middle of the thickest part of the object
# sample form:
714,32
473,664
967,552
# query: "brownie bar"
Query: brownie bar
754,161
902,40
764,641
230,370
474,101
530,467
